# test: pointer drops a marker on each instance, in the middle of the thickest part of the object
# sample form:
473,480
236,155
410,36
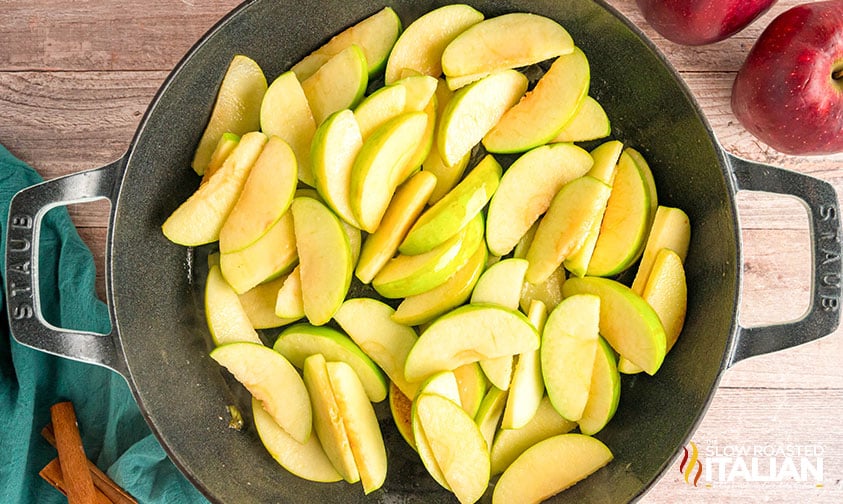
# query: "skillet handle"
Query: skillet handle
27,323
823,314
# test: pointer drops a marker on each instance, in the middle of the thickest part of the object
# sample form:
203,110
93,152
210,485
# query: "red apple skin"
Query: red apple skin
699,22
789,91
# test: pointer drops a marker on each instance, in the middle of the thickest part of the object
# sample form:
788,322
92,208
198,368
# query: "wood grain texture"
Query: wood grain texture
76,77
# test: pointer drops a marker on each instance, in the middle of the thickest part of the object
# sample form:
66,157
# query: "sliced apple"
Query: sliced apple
626,221
361,425
375,35
407,275
474,110
671,229
508,41
338,84
526,190
288,302
259,304
226,318
421,90
589,123
266,196
456,290
272,255
236,109
403,210
469,334
604,393
531,479
627,322
199,219
370,324
472,387
565,226
374,176
285,112
300,341
422,43
305,460
327,421
228,141
455,210
457,446
325,260
510,443
527,387
273,381
542,113
667,293
401,408
549,292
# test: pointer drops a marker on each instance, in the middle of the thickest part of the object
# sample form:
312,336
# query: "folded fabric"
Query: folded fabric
113,431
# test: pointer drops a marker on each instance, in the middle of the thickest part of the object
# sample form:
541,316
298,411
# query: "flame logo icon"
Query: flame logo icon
690,462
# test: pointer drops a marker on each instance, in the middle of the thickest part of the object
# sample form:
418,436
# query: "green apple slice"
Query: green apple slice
508,41
259,304
472,387
526,190
531,479
447,175
604,393
228,141
236,109
422,43
549,292
421,90
489,415
510,443
424,307
667,293
361,425
469,334
305,460
370,324
403,210
457,446
626,221
407,275
272,380
565,226
327,421
300,341
325,260
226,318
422,150
199,219
335,146
527,388
375,35
374,174
266,196
285,112
627,322
272,255
443,384
542,113
377,108
455,210
401,408
474,110
338,84
569,344
671,229
288,302
589,123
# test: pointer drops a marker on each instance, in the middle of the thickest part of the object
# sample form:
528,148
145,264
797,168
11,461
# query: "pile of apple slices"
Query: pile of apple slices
488,244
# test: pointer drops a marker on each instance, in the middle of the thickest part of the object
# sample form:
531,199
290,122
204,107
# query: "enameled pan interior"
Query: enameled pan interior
155,285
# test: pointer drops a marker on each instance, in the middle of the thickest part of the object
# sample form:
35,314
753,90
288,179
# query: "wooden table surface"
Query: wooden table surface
76,77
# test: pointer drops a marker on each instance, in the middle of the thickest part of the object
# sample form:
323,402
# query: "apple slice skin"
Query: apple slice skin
628,323
604,393
549,467
338,84
335,145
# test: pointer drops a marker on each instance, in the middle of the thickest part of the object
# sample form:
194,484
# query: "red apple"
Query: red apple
698,22
789,91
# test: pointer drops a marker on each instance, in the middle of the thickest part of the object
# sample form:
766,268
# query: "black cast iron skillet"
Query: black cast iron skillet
159,340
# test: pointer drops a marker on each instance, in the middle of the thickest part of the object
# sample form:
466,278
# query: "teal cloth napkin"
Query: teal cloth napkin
114,434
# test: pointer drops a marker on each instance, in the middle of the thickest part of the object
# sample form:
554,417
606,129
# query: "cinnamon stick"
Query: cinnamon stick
101,480
52,473
78,483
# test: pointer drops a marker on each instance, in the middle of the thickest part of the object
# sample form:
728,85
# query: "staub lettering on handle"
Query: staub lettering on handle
828,269
20,288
